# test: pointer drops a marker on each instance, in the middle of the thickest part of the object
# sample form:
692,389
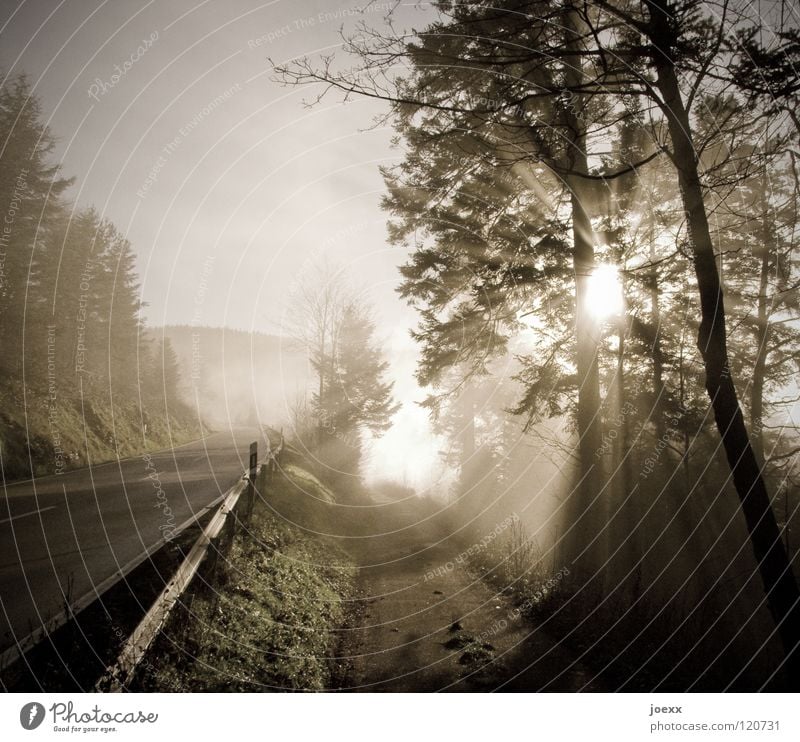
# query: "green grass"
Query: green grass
268,618
311,486
31,436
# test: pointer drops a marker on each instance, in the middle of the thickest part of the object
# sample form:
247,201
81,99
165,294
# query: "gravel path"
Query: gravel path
425,623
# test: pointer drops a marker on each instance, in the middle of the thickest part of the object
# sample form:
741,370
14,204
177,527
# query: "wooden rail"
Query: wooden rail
137,644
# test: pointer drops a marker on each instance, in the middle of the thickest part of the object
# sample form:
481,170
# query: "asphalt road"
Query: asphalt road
69,537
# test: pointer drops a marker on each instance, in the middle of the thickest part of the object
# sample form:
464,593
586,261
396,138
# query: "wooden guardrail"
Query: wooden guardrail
137,644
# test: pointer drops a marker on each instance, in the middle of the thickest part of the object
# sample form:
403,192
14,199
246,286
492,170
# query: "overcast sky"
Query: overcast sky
226,185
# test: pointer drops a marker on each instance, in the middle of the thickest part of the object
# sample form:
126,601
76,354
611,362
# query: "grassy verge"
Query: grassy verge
266,616
38,440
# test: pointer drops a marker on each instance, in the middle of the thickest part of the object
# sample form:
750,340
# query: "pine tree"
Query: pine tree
357,399
30,190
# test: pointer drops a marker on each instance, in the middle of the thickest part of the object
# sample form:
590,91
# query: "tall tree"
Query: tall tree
357,396
674,32
352,397
30,190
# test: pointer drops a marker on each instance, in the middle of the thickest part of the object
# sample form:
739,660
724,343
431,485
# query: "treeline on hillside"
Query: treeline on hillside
600,201
234,376
78,381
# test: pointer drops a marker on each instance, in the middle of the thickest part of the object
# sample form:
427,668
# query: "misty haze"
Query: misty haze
399,346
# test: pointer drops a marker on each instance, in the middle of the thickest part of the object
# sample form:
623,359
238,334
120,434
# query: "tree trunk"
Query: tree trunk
686,435
779,583
762,333
587,513
659,390
625,573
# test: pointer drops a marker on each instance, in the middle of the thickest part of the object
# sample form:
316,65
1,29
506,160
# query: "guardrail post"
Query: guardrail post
251,478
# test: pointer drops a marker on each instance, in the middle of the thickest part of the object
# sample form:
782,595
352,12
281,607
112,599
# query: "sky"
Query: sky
228,186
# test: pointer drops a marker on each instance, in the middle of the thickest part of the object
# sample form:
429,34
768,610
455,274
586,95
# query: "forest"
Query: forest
80,381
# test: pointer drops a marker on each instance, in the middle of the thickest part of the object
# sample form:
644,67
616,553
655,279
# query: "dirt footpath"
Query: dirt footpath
425,623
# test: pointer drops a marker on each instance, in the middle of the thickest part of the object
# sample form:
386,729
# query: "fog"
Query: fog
228,188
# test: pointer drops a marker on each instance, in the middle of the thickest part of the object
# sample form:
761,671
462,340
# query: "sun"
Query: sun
604,296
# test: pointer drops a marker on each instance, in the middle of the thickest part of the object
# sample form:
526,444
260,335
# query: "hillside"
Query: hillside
47,436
